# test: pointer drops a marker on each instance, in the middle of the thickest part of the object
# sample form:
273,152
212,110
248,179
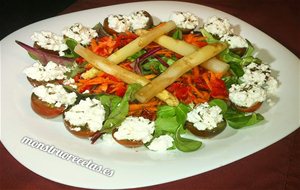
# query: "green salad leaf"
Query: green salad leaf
236,69
181,113
109,102
209,36
184,144
166,111
152,65
228,56
250,59
136,55
177,34
117,108
230,80
75,69
237,119
170,120
220,103
165,126
100,30
249,50
71,43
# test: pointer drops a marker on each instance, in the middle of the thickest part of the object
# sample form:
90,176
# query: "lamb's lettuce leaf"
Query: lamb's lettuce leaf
117,108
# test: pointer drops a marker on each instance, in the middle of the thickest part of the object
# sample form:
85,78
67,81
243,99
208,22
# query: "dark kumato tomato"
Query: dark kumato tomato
252,108
107,28
35,83
84,132
150,21
45,109
239,51
208,133
111,31
35,45
128,143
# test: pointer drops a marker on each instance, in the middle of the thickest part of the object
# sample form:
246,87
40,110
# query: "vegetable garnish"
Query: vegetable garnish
178,69
102,83
123,74
195,39
183,48
175,82
199,86
44,57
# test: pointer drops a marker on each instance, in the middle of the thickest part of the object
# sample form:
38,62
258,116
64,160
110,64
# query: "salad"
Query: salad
149,85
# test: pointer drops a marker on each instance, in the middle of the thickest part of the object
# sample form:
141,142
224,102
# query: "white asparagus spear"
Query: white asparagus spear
177,69
136,45
127,76
183,48
141,42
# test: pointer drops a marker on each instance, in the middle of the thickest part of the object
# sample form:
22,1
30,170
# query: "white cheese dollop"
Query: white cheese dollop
205,116
136,129
161,143
234,41
258,74
271,86
246,95
185,20
218,26
80,33
50,41
51,71
70,82
118,23
55,94
138,20
88,112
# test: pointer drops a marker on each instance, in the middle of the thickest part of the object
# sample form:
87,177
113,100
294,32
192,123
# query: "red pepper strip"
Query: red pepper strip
181,91
216,85
123,39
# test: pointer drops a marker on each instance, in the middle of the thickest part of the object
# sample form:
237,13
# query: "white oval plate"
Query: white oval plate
135,168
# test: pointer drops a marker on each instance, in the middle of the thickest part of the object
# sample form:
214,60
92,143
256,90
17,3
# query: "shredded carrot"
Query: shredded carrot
103,46
196,72
147,110
195,39
150,76
127,65
106,45
140,106
196,86
152,45
102,83
165,52
206,77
